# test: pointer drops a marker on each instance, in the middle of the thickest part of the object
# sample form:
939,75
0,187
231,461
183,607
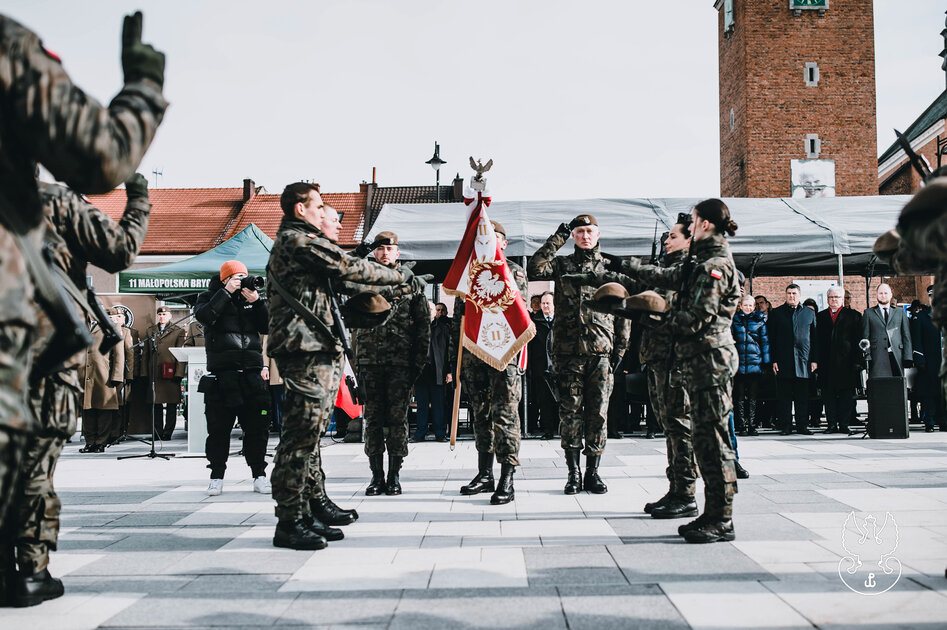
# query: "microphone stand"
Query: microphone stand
866,357
153,340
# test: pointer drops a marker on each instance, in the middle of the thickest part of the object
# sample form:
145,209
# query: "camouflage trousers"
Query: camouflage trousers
56,404
495,397
585,384
387,396
672,407
12,448
311,383
709,382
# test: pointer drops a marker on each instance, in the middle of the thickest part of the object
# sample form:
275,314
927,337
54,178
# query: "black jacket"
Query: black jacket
232,328
839,356
792,340
539,350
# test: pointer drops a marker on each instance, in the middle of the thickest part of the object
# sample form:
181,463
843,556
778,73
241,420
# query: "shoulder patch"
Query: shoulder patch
716,274
520,274
51,54
311,235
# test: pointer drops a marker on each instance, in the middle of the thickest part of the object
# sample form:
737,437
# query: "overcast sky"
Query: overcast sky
571,99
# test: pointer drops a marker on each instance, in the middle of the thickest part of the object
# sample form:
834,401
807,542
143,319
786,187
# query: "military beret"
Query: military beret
610,293
583,219
646,301
498,228
368,302
928,202
164,309
887,243
391,237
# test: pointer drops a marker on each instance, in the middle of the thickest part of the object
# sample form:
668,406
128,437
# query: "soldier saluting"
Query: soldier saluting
583,349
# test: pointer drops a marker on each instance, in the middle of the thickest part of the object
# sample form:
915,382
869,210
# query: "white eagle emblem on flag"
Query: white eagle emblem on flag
489,291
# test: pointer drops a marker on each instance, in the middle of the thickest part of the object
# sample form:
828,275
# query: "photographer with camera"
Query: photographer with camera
234,318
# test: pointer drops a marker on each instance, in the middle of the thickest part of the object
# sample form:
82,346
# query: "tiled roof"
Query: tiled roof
183,220
936,111
194,220
265,212
406,194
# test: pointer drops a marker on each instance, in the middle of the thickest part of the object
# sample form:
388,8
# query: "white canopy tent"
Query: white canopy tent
778,236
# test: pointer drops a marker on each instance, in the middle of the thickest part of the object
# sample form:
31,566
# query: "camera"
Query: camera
254,283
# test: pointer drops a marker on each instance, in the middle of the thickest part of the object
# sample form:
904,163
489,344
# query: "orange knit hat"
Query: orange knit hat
231,267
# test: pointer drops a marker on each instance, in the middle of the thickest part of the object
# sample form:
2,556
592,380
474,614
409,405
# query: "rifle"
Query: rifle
338,323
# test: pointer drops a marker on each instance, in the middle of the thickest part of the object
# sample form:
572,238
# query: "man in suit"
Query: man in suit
838,331
888,331
793,347
545,409
925,339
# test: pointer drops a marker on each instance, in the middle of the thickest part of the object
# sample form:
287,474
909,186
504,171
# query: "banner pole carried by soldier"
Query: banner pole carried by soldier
48,120
494,327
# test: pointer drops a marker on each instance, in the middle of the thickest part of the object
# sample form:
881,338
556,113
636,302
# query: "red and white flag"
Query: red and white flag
496,322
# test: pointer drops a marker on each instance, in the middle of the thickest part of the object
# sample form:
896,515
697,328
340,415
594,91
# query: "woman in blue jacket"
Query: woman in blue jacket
749,333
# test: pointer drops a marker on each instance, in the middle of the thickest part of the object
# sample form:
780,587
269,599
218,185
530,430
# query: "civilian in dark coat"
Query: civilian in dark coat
544,410
792,338
752,340
839,331
926,342
429,388
886,328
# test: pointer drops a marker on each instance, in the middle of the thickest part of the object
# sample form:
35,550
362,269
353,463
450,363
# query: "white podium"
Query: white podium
196,359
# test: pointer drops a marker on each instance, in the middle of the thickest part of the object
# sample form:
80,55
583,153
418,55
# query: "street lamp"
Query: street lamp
436,162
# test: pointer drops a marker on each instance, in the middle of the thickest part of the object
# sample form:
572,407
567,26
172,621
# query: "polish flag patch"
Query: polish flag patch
716,274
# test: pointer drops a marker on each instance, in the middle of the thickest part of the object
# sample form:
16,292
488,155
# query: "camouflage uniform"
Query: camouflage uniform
705,359
309,361
494,394
670,401
47,119
582,345
78,234
389,359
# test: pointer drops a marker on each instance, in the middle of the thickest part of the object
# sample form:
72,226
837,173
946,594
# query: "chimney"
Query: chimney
249,190
458,191
363,187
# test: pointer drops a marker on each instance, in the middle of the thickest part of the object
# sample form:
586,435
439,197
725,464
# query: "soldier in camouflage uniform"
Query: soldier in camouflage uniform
390,357
308,354
78,234
47,119
494,397
584,351
705,358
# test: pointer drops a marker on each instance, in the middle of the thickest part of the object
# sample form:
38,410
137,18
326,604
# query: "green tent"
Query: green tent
251,247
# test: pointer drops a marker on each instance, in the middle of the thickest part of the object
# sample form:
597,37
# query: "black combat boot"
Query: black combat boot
504,493
377,485
741,471
649,507
712,530
751,418
331,534
739,417
329,513
7,576
695,524
574,483
676,507
393,486
483,481
331,504
35,589
297,535
592,482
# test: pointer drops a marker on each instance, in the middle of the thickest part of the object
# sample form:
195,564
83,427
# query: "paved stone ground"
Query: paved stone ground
143,547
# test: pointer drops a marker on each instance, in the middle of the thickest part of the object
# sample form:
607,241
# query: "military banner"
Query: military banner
496,321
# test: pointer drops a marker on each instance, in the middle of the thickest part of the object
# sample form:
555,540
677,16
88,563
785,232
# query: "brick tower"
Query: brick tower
797,98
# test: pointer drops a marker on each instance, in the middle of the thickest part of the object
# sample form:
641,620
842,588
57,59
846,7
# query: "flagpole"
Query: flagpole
456,406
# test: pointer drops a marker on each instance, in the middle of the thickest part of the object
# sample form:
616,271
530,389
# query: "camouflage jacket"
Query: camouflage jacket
402,340
49,120
301,259
923,249
78,234
702,317
656,337
576,330
519,276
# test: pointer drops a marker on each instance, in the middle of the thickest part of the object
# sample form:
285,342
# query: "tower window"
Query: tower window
812,74
813,145
733,119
